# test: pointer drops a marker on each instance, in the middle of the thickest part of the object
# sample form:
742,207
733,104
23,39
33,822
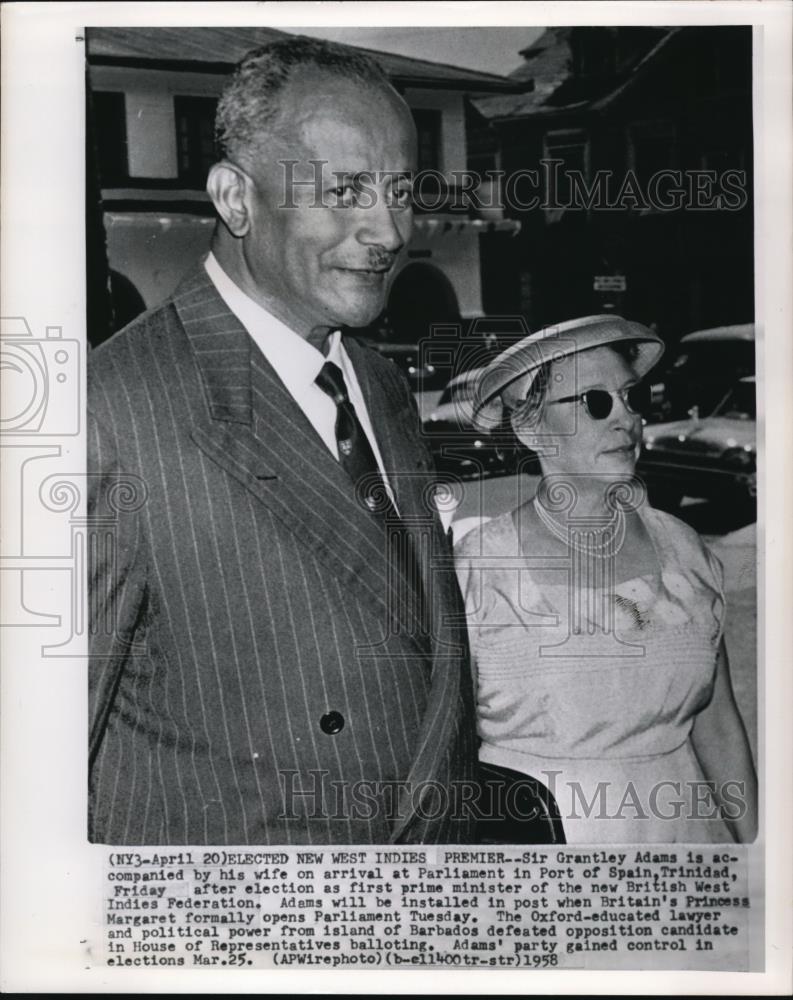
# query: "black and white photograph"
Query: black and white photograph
276,663
398,494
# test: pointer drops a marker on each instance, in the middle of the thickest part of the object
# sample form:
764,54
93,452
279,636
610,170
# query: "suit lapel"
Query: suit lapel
405,458
407,463
252,428
412,478
255,431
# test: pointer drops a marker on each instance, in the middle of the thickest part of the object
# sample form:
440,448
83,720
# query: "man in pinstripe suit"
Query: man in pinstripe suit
252,675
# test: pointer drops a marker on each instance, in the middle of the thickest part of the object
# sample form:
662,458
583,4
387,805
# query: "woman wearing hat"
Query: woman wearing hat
596,622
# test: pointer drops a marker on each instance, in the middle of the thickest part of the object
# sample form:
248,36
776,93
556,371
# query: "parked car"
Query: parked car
457,446
703,369
462,449
711,456
407,358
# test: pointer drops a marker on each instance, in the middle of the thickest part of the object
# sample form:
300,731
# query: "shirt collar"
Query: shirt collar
296,361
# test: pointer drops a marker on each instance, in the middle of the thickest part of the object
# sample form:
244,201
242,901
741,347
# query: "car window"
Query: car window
702,373
680,360
739,403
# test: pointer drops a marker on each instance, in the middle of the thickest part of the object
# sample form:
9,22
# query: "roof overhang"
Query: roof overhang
218,50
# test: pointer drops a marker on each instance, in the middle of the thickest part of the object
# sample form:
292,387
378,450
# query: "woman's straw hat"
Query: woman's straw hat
508,378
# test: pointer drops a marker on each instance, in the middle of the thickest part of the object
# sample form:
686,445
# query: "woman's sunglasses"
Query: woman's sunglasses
600,402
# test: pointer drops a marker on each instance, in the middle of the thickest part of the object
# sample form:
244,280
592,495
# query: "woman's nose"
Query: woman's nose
622,414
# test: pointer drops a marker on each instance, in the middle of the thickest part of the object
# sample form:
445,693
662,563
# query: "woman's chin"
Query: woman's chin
618,463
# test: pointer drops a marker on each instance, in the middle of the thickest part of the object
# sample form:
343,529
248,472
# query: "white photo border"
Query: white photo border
51,876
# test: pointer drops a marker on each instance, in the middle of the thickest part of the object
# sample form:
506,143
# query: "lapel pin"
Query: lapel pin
345,447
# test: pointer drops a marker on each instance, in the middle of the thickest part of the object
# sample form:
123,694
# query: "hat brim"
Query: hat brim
514,370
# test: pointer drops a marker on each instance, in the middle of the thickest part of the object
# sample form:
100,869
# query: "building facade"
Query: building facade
631,163
152,97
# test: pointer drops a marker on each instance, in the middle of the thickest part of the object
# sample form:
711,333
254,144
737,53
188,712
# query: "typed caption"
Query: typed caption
539,908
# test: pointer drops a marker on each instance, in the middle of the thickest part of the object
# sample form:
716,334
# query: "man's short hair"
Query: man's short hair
248,107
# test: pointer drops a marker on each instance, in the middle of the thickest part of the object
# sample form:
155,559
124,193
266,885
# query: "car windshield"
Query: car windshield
703,372
739,403
717,357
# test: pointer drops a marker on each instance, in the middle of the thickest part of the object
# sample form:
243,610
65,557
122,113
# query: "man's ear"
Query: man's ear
229,188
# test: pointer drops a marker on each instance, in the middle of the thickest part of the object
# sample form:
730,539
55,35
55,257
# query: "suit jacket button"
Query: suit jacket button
332,723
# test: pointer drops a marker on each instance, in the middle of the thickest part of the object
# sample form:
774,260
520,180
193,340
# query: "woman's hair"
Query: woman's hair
526,414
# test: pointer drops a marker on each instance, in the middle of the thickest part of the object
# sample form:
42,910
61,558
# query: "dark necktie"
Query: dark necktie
355,450
358,459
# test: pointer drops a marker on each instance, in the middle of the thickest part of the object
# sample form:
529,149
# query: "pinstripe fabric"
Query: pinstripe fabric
257,592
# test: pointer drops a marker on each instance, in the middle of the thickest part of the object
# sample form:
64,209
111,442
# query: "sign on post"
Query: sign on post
609,283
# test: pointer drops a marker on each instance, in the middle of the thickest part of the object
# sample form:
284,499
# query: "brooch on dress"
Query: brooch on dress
632,609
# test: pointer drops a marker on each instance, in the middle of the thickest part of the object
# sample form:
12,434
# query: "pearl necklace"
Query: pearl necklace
585,540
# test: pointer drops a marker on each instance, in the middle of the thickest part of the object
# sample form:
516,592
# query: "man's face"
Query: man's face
324,237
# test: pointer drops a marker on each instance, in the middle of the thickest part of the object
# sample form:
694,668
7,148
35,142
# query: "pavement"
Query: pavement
738,552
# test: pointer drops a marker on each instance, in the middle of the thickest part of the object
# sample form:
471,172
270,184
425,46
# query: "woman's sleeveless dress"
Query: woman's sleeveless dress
601,715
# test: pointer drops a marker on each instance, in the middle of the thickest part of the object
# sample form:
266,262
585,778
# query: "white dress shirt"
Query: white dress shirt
297,362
